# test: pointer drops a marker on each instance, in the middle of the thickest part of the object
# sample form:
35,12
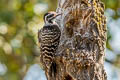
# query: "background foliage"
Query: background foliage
19,23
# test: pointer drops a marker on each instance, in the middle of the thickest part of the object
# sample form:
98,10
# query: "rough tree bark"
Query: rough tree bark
80,55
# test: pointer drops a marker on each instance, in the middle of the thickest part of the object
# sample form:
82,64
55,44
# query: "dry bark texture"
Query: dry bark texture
81,52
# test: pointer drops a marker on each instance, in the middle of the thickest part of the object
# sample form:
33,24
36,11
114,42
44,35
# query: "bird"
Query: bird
49,38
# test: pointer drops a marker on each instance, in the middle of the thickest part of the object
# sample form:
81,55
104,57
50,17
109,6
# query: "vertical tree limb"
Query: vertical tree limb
81,52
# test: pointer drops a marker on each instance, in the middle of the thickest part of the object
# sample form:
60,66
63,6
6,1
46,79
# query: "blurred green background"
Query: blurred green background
19,24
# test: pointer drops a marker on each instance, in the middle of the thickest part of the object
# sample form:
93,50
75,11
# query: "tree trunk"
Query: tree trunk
81,52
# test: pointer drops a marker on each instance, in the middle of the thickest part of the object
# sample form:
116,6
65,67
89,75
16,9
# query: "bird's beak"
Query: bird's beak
56,15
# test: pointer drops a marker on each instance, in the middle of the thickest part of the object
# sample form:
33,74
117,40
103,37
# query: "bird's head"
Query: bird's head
50,16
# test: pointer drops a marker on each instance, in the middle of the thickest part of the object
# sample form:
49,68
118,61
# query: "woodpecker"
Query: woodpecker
49,38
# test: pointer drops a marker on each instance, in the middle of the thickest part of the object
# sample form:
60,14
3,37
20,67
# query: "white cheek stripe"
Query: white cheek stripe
46,21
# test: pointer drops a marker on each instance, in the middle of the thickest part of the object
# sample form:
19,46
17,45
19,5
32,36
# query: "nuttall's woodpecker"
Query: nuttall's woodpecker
49,38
